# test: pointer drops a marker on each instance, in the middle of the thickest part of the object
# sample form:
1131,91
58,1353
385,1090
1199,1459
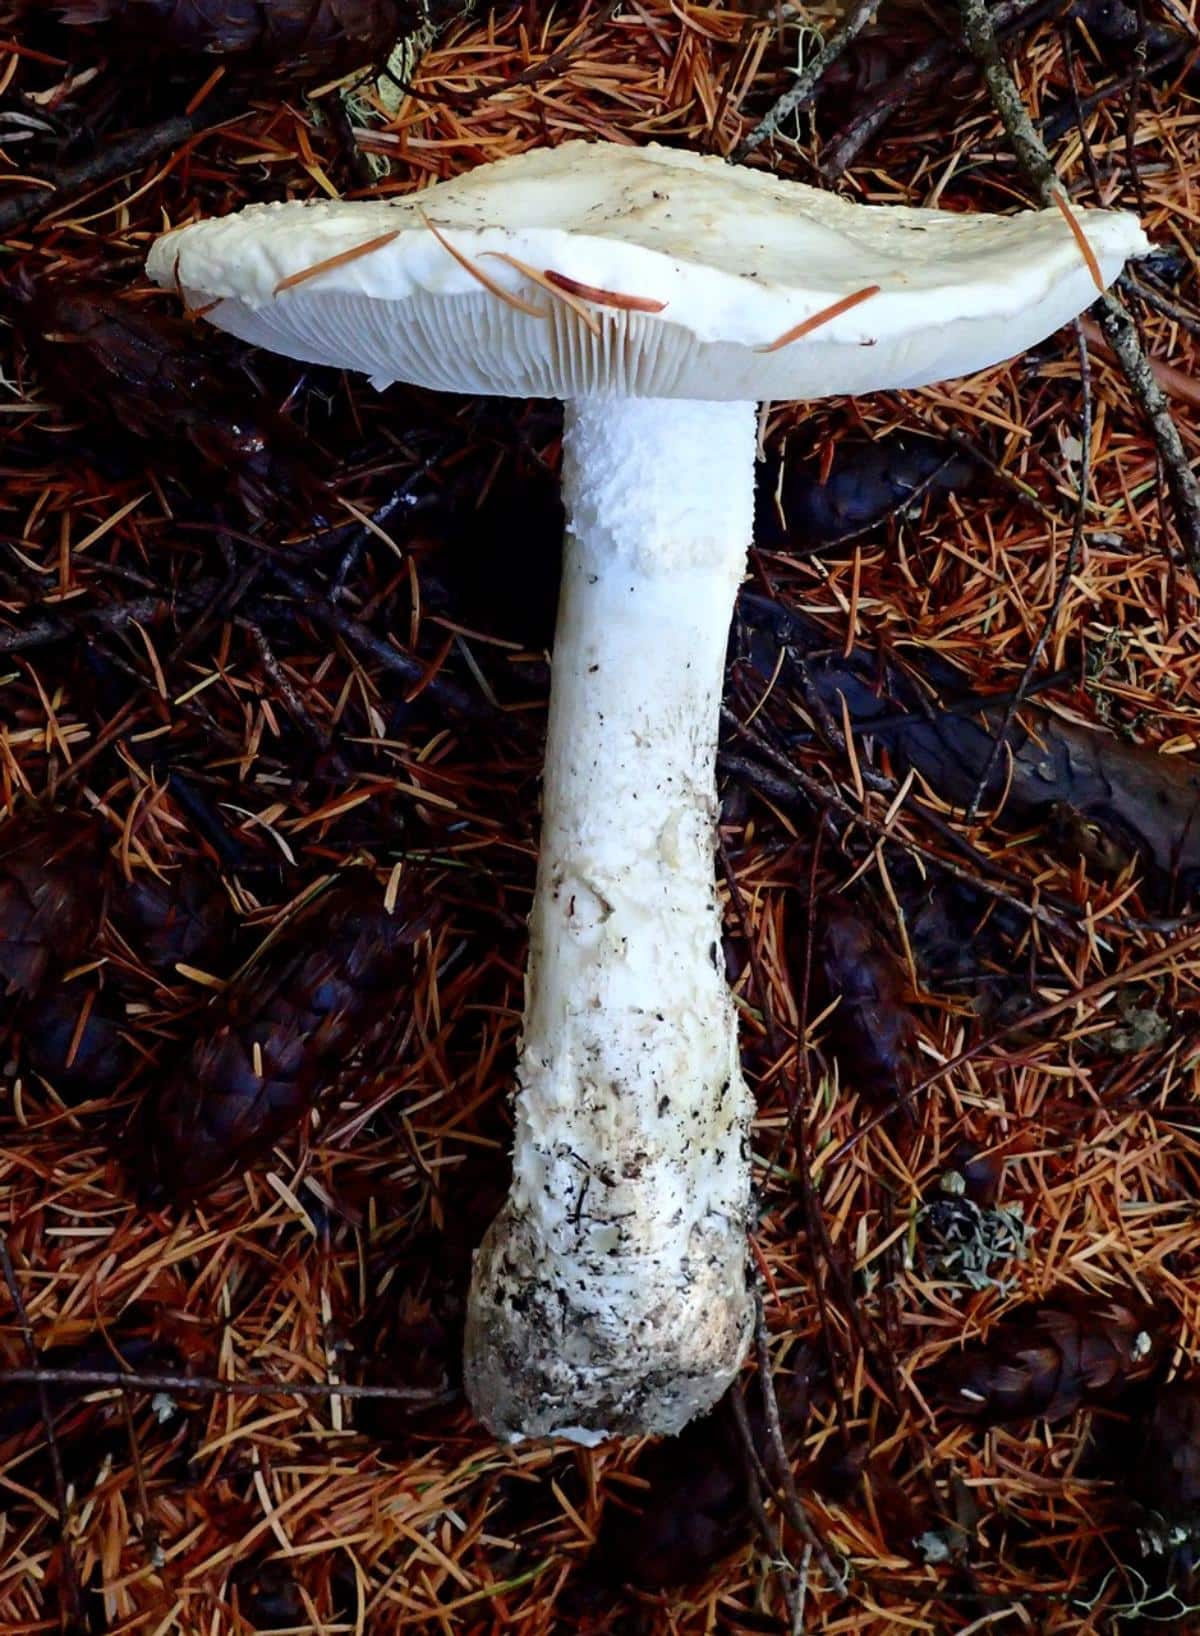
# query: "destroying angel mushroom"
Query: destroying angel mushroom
660,294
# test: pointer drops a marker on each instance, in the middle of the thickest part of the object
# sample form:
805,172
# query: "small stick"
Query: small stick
980,35
792,1508
1089,157
801,1591
1056,125
148,1528
1009,17
1187,317
317,607
1152,964
808,82
105,166
756,1487
797,781
1120,332
116,616
295,705
1133,106
209,1385
359,534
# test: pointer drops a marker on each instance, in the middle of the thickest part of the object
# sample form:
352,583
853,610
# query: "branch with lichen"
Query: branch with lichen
805,88
1114,317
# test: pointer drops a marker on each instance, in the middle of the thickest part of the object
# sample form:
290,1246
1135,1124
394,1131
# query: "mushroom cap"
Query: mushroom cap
651,272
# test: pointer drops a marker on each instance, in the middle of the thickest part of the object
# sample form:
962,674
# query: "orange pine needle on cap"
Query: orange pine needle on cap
543,281
190,312
1085,249
489,284
603,298
339,260
807,325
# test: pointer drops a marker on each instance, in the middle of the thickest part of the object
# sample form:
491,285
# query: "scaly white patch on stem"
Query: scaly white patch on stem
610,1295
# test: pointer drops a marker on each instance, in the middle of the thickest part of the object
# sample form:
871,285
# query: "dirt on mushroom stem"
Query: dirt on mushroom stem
610,1295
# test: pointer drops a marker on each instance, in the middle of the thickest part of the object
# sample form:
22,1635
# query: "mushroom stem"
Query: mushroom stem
610,1294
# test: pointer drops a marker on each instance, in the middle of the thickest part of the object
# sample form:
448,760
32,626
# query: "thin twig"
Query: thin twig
1133,106
801,1591
792,1508
756,1487
1160,960
1114,318
797,782
1000,738
361,534
106,165
896,93
809,80
1089,157
1187,318
210,1386
324,612
46,628
288,692
147,1528
1057,124
70,1572
980,33
1121,334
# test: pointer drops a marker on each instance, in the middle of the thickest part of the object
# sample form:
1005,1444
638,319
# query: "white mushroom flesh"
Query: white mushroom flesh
611,1293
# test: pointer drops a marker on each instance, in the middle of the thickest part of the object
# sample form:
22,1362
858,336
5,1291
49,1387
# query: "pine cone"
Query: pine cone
20,1403
798,503
873,1031
309,31
152,377
181,920
73,1040
334,977
52,888
1048,1361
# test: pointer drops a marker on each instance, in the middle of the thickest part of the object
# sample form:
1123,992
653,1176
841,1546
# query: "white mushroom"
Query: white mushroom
660,294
